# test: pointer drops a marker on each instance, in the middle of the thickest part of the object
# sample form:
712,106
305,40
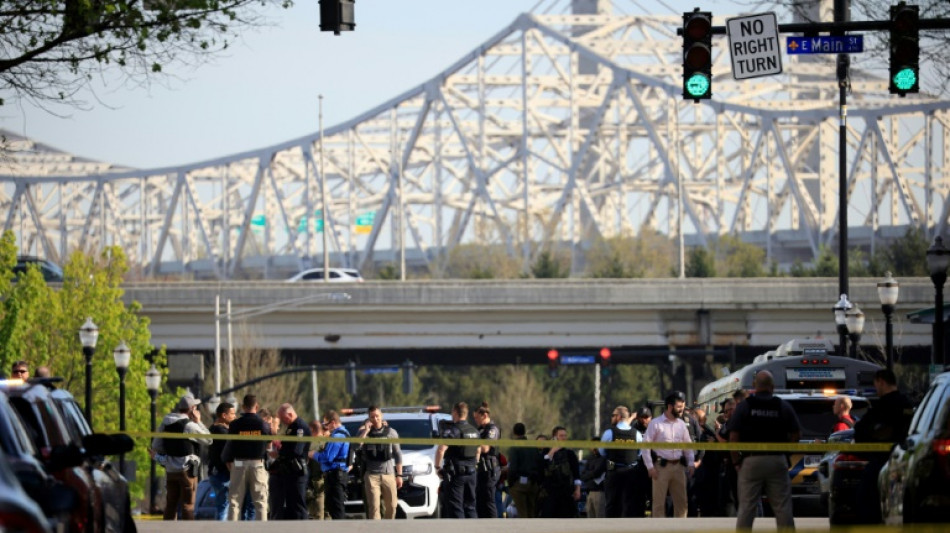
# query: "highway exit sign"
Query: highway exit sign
754,46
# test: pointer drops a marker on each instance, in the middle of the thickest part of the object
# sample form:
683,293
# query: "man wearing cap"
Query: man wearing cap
180,458
245,458
670,469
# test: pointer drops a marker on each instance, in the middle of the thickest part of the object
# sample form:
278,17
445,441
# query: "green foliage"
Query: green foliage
549,266
53,49
904,257
388,272
700,263
482,261
737,259
40,324
649,255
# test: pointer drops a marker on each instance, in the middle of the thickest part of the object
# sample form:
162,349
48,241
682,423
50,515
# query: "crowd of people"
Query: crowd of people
289,479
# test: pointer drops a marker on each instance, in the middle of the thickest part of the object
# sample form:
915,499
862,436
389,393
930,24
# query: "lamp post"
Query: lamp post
213,403
887,291
841,325
854,320
937,259
122,355
88,335
153,380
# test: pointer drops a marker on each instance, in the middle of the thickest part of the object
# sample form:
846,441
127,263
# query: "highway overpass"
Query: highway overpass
490,322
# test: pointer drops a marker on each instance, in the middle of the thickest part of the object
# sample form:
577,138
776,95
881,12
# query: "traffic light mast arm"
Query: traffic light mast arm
814,28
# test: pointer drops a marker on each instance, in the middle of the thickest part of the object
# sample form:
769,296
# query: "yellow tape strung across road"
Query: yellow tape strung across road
810,447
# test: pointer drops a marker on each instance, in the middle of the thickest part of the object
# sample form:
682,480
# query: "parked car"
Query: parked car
18,512
336,275
111,484
51,271
915,482
56,500
419,494
839,475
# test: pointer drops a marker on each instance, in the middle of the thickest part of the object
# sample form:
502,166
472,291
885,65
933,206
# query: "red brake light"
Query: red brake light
941,447
824,361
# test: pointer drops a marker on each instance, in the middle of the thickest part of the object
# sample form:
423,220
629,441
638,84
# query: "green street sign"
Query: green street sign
317,225
366,219
259,220
697,85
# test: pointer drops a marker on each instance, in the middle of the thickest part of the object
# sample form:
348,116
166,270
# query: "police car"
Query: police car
419,495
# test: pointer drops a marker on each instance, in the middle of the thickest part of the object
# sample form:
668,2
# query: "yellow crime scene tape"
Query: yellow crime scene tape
811,447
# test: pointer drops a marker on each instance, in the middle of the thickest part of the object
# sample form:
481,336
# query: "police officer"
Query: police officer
458,471
289,471
763,417
488,466
245,458
642,485
382,476
620,483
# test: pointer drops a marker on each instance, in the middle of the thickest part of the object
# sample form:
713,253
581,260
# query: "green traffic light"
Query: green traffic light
905,79
697,85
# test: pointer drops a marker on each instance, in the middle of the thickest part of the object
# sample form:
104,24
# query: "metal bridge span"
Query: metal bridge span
487,322
565,126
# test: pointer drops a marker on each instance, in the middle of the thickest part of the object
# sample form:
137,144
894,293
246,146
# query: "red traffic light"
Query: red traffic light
552,355
605,354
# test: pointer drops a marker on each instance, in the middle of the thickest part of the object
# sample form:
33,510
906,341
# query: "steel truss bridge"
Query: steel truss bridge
566,125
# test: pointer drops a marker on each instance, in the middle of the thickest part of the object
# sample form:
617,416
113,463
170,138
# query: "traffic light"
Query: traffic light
697,55
351,378
407,367
605,361
337,15
905,50
553,362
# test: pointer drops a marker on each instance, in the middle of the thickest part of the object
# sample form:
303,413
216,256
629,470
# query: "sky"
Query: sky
265,89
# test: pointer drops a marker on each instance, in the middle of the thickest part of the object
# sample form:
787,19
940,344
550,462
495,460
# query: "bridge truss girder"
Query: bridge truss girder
559,129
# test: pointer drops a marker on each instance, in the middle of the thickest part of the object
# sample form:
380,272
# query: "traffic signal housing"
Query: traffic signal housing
904,66
337,15
605,361
554,359
697,55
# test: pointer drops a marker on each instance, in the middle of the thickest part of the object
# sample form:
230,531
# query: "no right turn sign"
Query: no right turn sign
754,46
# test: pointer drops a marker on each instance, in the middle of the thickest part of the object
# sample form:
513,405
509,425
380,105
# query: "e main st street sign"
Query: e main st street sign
754,46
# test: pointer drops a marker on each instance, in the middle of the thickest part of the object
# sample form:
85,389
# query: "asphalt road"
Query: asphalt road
539,525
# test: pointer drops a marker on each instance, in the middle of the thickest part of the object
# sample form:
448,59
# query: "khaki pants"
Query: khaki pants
380,487
248,476
768,475
670,478
596,505
525,496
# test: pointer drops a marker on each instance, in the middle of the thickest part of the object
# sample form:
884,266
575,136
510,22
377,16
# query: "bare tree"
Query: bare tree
49,50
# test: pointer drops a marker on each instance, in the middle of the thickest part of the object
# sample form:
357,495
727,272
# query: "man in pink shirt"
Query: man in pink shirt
670,468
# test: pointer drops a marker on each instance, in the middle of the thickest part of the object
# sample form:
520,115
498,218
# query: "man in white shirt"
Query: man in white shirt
671,467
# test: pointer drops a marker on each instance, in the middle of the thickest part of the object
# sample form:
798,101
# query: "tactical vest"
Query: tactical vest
464,453
626,456
378,452
765,422
179,447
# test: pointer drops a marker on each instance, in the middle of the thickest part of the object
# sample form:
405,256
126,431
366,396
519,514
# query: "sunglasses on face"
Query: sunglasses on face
20,371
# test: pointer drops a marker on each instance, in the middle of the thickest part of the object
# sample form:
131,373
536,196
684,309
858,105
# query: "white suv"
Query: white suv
419,495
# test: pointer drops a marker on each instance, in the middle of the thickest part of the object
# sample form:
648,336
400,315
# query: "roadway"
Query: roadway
541,525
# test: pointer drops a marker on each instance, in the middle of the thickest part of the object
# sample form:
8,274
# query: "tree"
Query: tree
737,259
40,325
700,263
905,256
547,265
482,261
53,49
649,255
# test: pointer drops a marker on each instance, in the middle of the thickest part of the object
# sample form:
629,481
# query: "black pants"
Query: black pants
485,494
334,491
642,490
620,493
458,495
290,496
558,503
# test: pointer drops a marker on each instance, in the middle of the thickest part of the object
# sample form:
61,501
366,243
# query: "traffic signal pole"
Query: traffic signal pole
844,65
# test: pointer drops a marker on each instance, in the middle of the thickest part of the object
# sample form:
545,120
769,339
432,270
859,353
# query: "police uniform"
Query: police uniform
247,465
289,474
620,483
458,472
764,418
488,472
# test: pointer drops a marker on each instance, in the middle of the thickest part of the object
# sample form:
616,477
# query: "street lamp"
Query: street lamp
88,335
854,321
937,259
122,355
153,380
887,291
840,309
213,403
